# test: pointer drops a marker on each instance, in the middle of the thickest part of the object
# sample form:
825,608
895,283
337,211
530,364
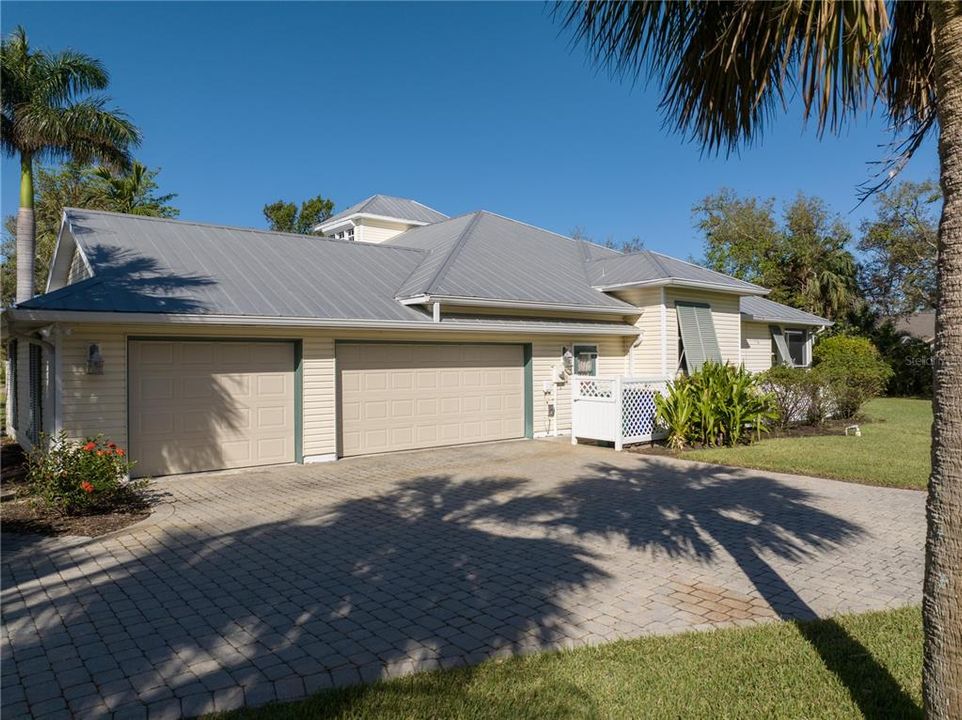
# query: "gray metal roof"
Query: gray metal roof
165,266
762,309
487,256
649,267
390,206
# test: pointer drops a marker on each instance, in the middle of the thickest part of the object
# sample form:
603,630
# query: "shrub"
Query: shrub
82,477
718,405
851,370
797,393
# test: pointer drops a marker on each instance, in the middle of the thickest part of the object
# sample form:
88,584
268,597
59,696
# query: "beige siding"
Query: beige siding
374,231
646,360
725,315
95,404
756,346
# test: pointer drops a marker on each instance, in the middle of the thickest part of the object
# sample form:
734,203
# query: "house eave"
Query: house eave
25,315
457,301
783,321
351,220
689,284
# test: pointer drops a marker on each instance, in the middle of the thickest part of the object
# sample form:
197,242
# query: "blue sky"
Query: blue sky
460,106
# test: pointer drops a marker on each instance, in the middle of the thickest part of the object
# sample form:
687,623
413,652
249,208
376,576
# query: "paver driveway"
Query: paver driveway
274,583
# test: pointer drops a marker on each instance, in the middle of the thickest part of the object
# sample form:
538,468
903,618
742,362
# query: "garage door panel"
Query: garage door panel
403,396
204,406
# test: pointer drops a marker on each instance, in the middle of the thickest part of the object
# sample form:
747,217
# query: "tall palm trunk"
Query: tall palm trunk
26,231
942,603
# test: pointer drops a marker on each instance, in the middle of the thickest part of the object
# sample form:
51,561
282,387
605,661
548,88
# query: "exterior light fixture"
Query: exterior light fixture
95,360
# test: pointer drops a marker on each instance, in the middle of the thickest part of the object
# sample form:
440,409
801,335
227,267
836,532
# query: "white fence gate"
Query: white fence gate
619,410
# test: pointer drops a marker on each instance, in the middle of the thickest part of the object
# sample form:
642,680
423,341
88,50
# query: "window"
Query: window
345,234
14,385
797,346
586,359
789,347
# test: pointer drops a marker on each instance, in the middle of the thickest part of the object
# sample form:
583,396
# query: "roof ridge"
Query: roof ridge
419,228
550,232
238,228
665,271
452,253
702,267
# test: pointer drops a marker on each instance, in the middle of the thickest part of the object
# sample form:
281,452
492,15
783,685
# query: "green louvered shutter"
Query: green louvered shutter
780,345
697,334
13,385
35,388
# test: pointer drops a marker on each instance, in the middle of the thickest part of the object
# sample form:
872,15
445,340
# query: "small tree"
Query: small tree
287,217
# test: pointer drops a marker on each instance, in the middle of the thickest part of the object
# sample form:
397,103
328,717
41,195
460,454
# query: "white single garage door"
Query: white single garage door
199,405
404,396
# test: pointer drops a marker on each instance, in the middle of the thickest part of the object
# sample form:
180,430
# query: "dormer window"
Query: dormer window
345,234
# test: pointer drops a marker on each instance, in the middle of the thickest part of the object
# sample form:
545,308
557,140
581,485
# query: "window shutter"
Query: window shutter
35,407
13,385
780,345
697,334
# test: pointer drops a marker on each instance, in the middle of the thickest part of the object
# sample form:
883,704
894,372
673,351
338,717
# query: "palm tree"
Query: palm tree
44,119
132,192
725,69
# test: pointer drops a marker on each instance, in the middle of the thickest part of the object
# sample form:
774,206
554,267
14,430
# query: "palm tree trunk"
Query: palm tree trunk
942,602
26,230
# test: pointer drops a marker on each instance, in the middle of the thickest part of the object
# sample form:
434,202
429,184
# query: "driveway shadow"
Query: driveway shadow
434,572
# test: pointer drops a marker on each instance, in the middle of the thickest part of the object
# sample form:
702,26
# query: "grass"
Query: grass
893,450
851,667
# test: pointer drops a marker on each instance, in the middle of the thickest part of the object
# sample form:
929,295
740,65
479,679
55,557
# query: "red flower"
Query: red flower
87,487
120,452
100,452
90,446
111,445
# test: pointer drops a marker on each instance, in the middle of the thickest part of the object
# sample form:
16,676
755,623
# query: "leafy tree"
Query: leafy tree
900,243
80,186
725,69
803,260
43,118
133,192
286,217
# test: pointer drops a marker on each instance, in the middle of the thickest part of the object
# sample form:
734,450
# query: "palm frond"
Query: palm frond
725,67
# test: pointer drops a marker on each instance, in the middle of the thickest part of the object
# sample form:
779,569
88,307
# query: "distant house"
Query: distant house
920,325
203,347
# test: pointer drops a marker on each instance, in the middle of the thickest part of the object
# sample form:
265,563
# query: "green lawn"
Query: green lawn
859,665
893,449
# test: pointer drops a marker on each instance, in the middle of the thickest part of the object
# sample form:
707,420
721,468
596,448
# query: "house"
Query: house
918,325
202,347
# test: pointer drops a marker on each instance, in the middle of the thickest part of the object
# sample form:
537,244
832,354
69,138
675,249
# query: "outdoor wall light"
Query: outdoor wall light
567,360
95,361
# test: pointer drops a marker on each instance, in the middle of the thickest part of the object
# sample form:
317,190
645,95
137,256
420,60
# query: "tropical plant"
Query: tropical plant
851,370
80,477
725,69
44,118
675,412
717,405
133,192
79,186
798,394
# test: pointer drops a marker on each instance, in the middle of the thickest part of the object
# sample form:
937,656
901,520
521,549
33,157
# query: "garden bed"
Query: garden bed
21,516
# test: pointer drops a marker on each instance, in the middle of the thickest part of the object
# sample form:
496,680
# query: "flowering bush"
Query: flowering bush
82,477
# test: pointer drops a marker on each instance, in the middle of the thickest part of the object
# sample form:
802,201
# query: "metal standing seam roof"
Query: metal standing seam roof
761,309
155,265
486,256
649,267
390,206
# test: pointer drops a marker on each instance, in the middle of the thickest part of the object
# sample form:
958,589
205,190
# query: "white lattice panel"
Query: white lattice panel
638,411
600,388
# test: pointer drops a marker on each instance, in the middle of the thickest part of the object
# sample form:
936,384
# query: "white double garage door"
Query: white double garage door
207,405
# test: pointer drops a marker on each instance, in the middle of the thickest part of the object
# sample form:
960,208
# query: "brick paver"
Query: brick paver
265,585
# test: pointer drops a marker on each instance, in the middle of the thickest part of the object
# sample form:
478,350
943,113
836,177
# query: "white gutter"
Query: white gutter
545,327
786,321
692,284
516,304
